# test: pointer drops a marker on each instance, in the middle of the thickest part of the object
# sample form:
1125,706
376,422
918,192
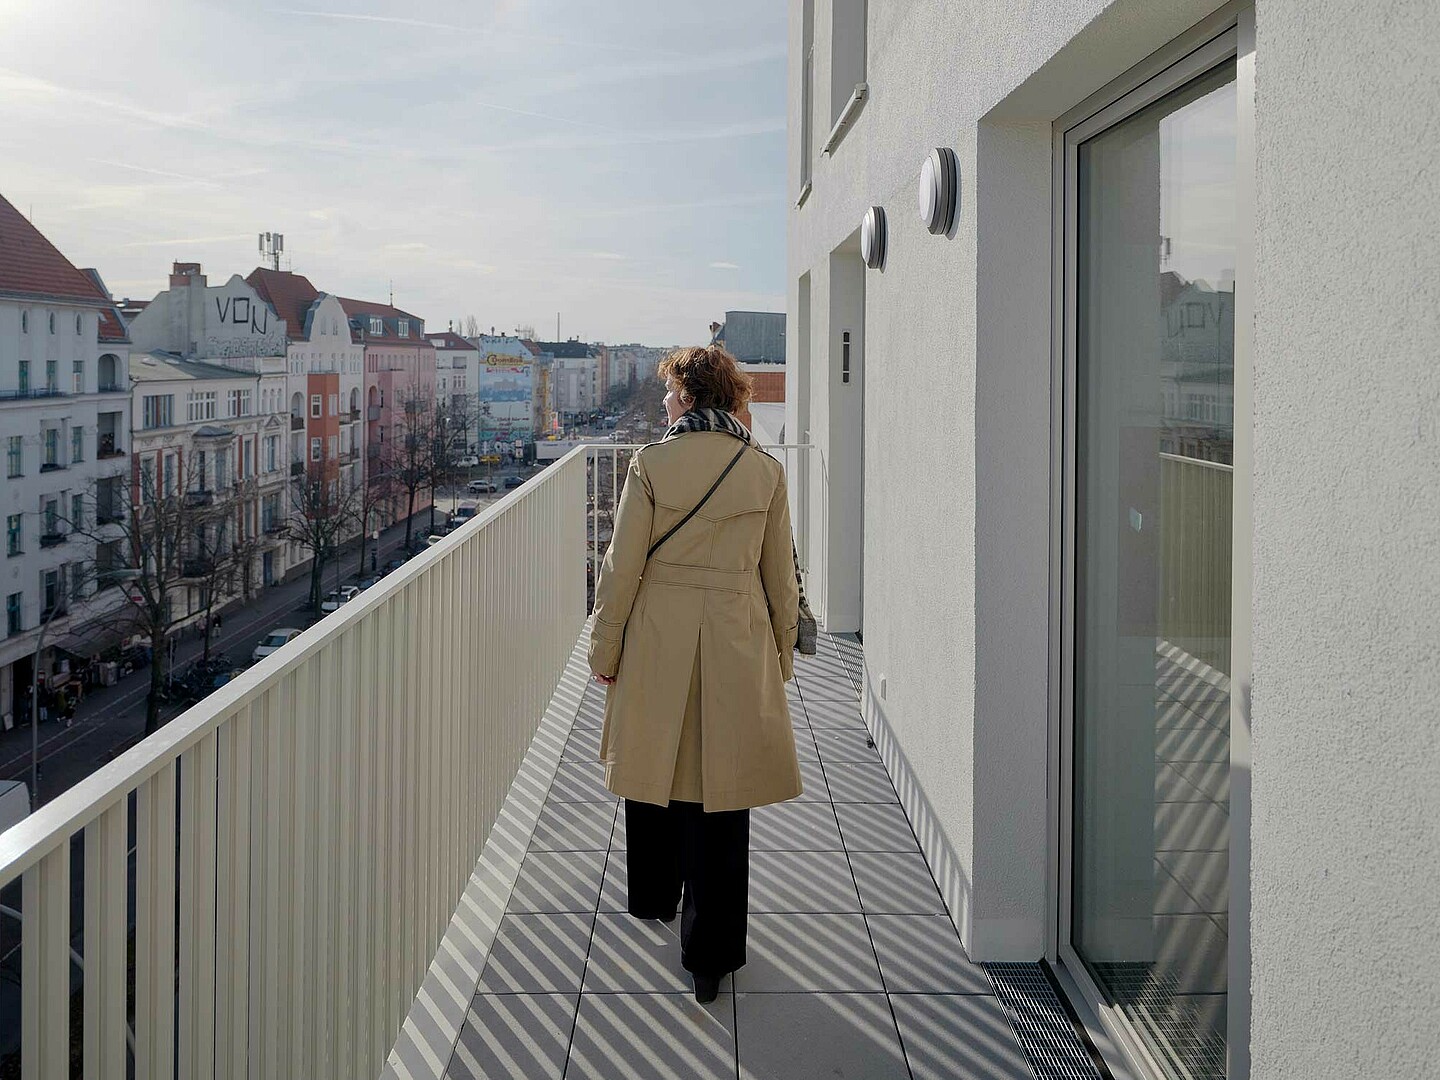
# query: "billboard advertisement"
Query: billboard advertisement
507,395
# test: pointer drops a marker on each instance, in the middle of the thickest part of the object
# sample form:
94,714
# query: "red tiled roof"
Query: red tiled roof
363,309
289,295
31,266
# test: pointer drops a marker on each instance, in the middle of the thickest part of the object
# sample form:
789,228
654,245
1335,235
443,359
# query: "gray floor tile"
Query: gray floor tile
556,881
875,827
613,895
574,826
1202,826
844,744
583,745
834,714
580,782
964,1037
1211,778
836,689
817,1037
653,1037
923,954
805,745
794,826
812,783
859,782
1193,744
514,1035
895,883
808,953
814,881
537,954
634,955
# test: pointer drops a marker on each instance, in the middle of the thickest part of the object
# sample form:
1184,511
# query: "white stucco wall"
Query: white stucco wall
1346,612
1346,618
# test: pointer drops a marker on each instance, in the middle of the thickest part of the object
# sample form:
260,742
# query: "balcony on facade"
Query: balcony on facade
26,393
337,857
297,423
196,566
109,429
373,413
200,497
297,468
52,538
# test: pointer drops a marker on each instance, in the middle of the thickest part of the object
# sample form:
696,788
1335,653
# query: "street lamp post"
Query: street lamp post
124,574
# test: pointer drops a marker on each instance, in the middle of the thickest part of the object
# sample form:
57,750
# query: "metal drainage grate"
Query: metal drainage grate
1041,1023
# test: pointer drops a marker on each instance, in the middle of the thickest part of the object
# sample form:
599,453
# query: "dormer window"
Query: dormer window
377,326
404,327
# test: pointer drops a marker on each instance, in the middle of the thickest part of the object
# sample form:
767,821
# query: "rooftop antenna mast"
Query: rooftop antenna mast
271,245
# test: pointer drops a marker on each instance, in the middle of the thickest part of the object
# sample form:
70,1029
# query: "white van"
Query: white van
14,803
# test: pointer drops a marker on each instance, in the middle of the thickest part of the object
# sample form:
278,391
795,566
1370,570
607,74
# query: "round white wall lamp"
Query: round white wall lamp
873,236
939,189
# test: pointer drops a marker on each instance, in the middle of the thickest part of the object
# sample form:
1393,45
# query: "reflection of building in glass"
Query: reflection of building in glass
1197,355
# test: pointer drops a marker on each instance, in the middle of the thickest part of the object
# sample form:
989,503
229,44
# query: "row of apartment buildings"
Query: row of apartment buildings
260,399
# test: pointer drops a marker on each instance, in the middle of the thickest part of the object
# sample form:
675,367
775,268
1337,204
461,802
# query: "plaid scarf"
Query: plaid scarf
708,420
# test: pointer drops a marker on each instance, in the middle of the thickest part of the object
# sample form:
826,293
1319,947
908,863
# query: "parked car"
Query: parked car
342,595
467,462
513,482
274,640
394,564
433,539
365,582
464,512
481,487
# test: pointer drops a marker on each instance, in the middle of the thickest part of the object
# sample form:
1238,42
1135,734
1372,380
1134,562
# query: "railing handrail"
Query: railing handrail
23,845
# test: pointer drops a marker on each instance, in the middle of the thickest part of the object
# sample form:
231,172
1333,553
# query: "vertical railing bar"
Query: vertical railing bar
155,926
45,967
197,909
105,1047
232,931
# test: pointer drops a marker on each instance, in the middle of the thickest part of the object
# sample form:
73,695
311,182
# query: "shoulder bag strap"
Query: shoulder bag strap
695,509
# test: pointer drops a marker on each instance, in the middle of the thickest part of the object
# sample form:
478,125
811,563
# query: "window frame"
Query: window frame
1228,33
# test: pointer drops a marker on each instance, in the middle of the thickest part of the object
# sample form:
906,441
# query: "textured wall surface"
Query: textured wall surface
1346,617
956,575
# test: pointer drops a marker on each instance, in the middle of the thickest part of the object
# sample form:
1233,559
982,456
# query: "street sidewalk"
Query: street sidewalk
113,717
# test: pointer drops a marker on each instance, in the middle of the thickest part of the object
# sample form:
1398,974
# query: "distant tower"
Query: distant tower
271,245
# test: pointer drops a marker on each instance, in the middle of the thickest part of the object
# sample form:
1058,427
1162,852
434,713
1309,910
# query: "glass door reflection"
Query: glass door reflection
1155,305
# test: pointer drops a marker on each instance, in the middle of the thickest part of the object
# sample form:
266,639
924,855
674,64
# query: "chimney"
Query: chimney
186,273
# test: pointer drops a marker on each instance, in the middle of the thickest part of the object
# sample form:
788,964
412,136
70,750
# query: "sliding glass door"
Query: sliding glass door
1152,209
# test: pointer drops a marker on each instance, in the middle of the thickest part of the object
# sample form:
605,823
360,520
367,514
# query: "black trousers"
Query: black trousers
680,845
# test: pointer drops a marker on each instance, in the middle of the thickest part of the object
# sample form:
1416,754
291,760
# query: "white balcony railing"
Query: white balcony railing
313,822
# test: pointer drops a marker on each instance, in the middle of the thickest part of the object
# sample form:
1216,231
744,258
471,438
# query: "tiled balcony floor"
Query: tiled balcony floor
854,968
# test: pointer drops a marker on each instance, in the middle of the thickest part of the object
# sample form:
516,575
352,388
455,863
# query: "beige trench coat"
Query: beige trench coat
701,636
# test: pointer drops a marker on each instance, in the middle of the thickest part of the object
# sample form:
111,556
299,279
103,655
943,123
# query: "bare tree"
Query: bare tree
472,326
410,463
322,514
160,530
375,491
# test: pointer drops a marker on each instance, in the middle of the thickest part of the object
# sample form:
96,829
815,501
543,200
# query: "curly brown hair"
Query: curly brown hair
709,376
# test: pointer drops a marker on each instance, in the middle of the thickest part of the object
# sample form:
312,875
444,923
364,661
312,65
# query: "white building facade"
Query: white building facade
1152,642
65,427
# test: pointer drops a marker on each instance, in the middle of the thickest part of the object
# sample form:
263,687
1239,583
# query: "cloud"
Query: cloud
189,240
724,266
453,28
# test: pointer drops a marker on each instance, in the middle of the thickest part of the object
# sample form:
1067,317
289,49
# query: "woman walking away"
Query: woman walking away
695,621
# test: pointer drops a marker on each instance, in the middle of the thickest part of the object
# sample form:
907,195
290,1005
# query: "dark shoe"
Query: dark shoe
707,987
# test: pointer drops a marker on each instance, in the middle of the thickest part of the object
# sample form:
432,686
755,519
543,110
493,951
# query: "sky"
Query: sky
620,163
